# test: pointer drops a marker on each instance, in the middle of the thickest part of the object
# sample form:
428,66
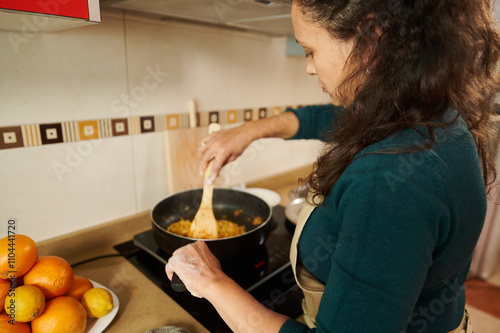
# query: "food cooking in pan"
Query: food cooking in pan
225,228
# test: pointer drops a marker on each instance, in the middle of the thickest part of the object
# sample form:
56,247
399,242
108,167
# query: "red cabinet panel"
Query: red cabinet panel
69,8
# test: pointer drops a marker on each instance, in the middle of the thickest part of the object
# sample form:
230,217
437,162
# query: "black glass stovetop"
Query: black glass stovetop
265,273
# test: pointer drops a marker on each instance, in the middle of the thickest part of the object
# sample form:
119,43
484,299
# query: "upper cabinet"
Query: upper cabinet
269,17
31,16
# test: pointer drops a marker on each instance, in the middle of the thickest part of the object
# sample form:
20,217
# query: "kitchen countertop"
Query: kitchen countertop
143,305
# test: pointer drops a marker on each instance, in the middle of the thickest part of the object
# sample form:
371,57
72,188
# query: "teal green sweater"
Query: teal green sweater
393,240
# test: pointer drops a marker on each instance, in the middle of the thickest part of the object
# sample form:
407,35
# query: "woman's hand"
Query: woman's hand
223,147
196,266
200,271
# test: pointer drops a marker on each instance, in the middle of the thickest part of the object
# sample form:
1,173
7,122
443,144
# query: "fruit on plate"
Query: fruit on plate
52,274
24,304
64,314
79,287
98,302
45,292
4,290
8,326
17,255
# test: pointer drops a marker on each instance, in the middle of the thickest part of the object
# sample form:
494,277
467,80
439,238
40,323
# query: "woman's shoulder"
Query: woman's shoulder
402,158
449,139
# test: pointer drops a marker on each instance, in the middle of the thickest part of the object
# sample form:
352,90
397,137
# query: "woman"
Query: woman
399,190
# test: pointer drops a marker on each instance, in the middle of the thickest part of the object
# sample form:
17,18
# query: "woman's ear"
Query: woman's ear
373,24
370,31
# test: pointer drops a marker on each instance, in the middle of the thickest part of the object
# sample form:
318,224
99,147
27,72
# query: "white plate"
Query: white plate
272,198
97,325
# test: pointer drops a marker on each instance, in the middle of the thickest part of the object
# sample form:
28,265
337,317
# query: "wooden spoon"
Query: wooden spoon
204,224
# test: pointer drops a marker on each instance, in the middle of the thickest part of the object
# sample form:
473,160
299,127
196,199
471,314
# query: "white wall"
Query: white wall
81,73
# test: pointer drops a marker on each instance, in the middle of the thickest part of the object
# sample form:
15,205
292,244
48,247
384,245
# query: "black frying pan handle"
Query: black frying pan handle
177,284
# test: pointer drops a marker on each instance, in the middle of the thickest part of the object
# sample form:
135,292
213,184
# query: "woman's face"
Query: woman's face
326,56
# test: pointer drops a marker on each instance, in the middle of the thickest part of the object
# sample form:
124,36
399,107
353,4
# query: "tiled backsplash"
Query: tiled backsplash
71,131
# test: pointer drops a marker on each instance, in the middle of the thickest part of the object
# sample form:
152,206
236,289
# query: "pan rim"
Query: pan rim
157,225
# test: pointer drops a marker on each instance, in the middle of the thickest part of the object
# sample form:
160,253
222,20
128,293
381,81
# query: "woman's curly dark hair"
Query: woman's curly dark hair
425,56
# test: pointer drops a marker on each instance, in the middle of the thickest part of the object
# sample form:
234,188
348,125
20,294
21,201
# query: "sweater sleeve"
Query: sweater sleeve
293,326
315,120
390,225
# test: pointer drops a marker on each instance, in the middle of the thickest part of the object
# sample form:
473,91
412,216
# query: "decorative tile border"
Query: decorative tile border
70,131
11,137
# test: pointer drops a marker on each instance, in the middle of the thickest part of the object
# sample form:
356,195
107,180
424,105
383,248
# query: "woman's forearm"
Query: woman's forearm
284,126
240,311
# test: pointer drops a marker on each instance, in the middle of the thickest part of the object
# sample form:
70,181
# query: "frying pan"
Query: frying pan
233,205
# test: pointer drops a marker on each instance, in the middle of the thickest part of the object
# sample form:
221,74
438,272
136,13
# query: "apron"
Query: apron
312,288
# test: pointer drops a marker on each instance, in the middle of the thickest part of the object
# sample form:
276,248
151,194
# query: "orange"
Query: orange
17,255
52,274
64,314
4,290
13,327
79,287
25,303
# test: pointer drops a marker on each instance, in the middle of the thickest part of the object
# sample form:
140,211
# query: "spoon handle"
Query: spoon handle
208,189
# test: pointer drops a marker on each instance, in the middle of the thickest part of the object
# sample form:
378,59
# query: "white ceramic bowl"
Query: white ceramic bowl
292,210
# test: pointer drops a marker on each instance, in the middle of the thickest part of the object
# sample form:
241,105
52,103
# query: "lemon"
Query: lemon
98,302
25,303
